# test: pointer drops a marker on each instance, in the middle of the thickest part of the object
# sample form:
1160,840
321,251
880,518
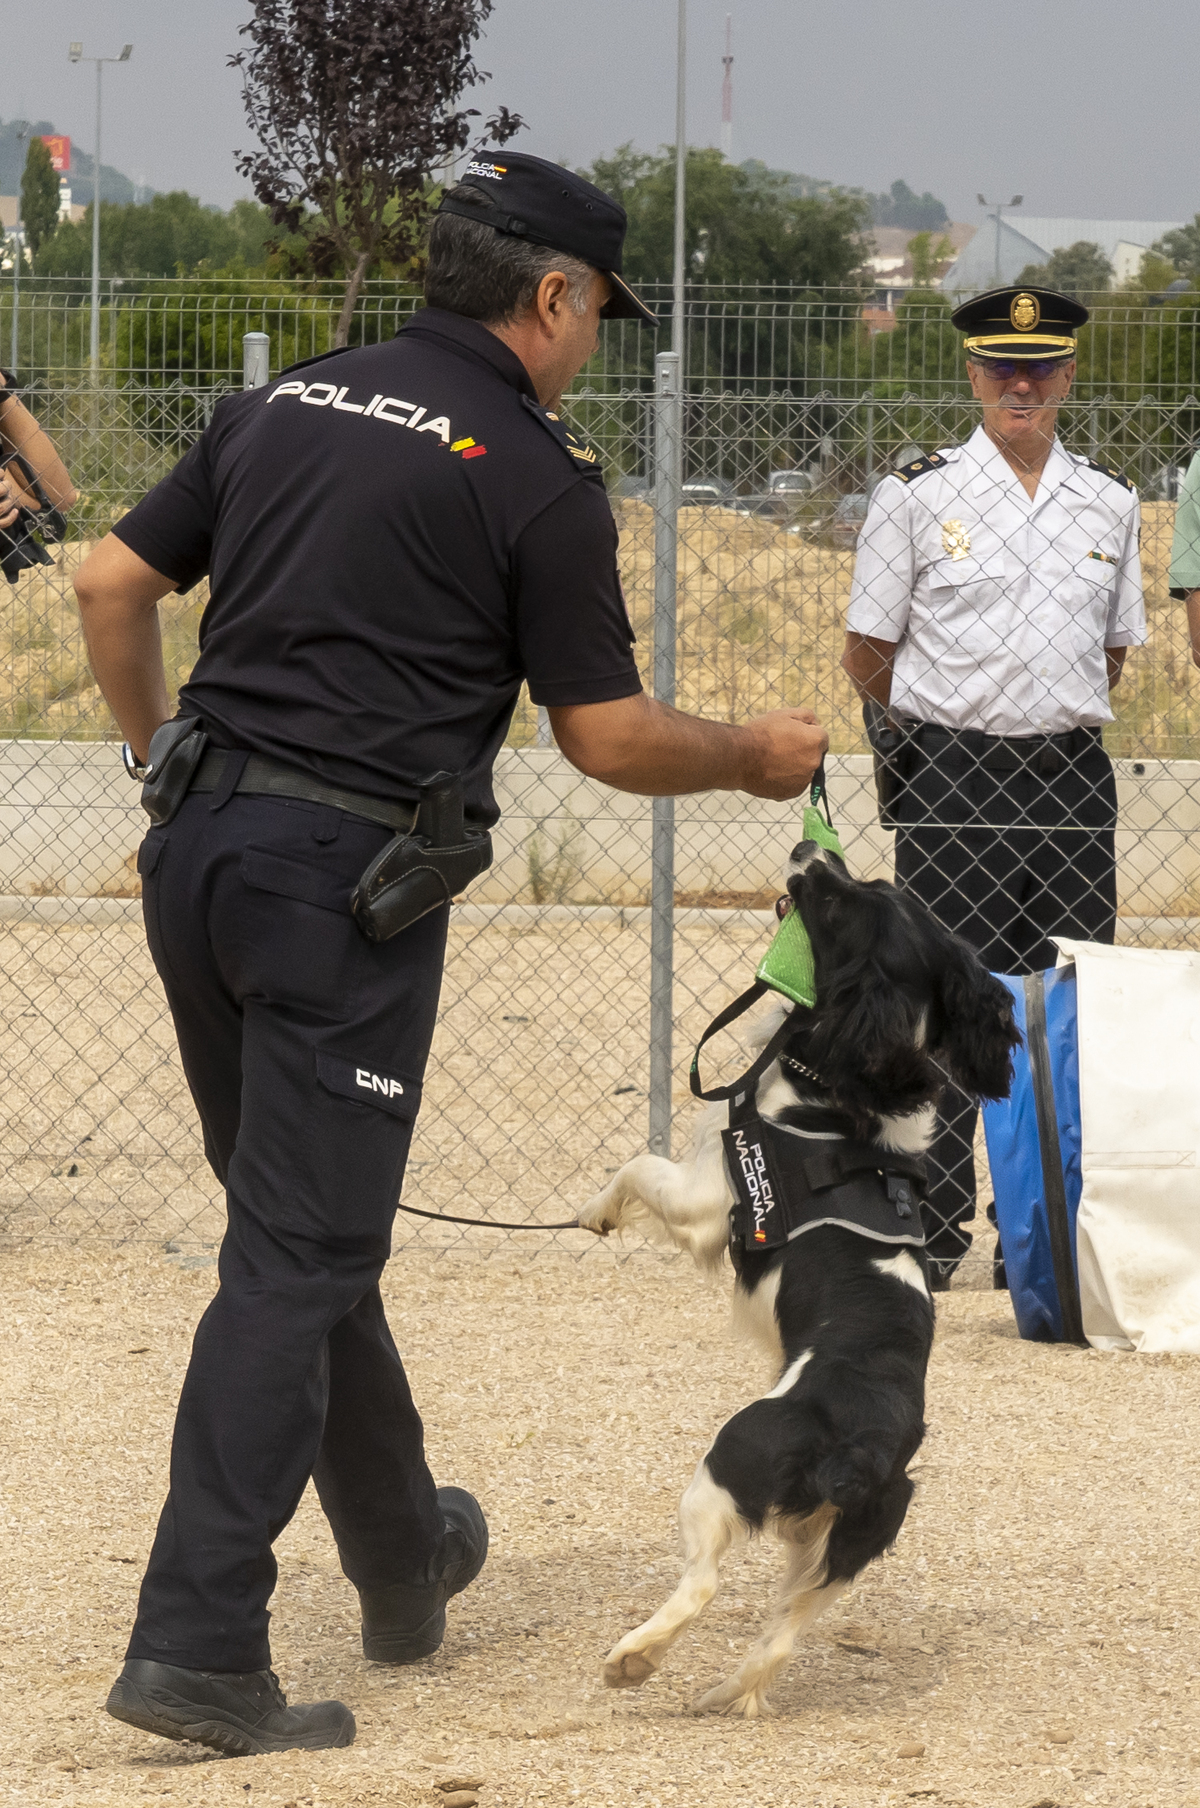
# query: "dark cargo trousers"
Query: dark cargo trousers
304,1048
1008,844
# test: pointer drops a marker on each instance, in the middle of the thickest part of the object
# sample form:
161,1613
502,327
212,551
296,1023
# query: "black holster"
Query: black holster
175,752
892,751
426,867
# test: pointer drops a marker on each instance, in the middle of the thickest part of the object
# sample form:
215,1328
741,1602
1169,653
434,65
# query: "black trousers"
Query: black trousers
304,1048
1007,848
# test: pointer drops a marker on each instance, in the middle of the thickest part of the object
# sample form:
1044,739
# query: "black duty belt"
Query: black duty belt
263,777
1045,755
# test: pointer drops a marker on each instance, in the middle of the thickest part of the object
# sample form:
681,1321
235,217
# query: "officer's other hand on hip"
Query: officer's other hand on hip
636,744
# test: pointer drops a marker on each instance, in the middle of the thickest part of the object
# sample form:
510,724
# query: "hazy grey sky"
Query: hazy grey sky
1085,107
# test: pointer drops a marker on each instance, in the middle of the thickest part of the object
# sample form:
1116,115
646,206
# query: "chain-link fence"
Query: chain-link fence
584,966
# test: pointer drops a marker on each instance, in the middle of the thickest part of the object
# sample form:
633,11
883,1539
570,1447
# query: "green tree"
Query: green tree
1154,273
920,213
1181,248
741,226
39,196
170,235
1078,269
927,257
356,107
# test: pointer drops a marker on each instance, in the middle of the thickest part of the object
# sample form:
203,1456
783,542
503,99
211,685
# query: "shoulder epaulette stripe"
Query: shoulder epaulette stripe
1094,464
918,465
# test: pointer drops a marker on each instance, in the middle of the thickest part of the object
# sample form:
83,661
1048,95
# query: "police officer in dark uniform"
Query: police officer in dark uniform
395,537
997,590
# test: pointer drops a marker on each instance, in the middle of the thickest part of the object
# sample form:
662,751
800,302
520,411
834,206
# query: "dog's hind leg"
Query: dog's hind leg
803,1597
709,1522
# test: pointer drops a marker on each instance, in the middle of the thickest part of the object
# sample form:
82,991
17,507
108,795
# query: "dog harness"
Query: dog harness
788,1179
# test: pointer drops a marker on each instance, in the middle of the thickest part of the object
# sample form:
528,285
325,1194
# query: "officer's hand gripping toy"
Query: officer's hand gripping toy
426,867
21,545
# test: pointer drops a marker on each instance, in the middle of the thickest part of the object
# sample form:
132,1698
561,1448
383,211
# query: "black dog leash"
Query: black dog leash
487,1223
818,796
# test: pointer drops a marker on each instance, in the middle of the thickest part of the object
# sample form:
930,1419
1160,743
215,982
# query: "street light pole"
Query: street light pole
1000,206
668,475
75,54
18,252
680,173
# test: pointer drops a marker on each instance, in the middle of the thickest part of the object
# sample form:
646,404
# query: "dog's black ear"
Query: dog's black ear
974,1032
864,1046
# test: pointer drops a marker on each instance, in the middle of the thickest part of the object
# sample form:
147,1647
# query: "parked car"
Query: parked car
848,516
709,492
790,483
786,495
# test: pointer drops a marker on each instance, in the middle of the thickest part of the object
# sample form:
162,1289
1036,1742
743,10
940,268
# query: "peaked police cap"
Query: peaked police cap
1020,322
531,199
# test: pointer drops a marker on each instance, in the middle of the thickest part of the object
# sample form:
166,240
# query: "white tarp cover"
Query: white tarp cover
1138,1230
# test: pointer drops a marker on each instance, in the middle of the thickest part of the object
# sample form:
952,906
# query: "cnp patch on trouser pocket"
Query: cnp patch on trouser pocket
370,1085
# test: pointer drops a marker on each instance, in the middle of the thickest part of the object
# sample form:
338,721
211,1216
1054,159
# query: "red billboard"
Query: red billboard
60,152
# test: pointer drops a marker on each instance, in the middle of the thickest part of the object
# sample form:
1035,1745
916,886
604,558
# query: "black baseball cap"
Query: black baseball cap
535,200
1020,322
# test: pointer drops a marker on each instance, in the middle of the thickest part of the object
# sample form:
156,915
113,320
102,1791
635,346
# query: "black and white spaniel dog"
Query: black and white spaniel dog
821,1461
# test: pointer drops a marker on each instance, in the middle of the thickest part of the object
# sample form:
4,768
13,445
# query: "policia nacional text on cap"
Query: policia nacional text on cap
996,592
395,538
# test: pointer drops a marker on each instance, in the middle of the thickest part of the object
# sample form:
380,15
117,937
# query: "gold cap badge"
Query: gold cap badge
1025,312
956,540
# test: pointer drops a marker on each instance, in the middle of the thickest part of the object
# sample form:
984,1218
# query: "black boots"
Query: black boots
406,1621
234,1712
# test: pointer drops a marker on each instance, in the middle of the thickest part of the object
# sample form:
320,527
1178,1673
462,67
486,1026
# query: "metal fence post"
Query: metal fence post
668,476
256,360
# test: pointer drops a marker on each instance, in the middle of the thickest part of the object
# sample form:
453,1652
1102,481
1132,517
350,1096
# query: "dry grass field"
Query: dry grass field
760,626
1034,1635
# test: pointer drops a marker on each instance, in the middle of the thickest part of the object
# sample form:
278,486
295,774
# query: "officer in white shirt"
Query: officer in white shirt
996,591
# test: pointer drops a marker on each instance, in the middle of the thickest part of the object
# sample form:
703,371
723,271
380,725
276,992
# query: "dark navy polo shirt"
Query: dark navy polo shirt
395,537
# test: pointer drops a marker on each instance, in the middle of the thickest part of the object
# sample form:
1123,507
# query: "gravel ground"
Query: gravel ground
1034,1631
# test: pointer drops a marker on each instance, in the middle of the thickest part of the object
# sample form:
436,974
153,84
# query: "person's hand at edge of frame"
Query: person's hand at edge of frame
787,746
8,503
1193,614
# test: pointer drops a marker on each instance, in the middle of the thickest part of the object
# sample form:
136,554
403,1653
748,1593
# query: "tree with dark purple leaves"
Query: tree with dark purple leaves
356,110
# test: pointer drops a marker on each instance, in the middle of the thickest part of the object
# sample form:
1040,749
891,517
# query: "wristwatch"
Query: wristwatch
134,767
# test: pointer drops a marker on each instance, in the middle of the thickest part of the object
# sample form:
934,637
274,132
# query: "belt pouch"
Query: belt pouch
424,868
175,752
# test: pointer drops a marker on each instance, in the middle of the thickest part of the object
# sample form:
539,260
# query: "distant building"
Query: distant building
891,267
67,209
985,263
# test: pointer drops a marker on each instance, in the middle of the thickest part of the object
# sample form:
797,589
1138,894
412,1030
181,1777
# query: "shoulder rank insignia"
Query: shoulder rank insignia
582,455
906,473
578,449
1093,464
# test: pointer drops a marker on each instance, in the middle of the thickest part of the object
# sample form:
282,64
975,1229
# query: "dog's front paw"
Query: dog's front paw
601,1214
628,1670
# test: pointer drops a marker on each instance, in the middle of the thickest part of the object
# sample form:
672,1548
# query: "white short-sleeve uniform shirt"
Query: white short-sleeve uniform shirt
1001,604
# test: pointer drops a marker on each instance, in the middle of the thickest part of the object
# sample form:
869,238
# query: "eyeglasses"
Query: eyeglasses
1038,370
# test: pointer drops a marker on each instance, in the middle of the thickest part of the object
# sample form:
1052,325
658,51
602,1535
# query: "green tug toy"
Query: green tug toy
787,966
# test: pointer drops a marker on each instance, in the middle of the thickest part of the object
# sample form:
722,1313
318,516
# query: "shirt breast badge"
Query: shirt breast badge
956,540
